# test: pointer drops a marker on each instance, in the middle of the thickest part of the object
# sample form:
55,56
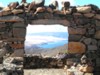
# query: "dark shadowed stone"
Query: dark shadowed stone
75,37
98,62
89,15
97,34
3,29
80,31
97,23
91,31
76,47
44,16
11,19
7,35
87,25
79,21
97,28
69,62
40,2
92,47
87,41
19,32
97,16
19,25
54,5
2,25
77,14
99,43
15,39
51,22
94,42
18,53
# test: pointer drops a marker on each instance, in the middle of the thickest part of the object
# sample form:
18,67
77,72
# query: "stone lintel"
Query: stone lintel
11,19
51,22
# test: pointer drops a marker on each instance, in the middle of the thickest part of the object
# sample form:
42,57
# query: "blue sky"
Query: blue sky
73,2
44,39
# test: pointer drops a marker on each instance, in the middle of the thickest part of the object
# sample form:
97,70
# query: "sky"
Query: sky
38,39
46,28
47,2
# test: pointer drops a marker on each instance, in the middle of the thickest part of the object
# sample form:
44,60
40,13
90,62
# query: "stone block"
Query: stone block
89,15
19,25
84,9
17,46
97,16
86,68
80,31
92,47
51,21
94,42
2,30
97,34
98,62
91,31
99,43
97,28
77,14
18,11
76,37
15,39
97,23
4,13
87,41
44,16
2,25
19,32
6,35
11,19
76,47
18,53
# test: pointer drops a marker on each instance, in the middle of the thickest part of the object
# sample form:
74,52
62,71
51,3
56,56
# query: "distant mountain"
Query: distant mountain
54,51
46,52
55,34
33,49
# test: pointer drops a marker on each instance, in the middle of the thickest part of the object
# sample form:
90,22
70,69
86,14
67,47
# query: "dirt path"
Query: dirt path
45,72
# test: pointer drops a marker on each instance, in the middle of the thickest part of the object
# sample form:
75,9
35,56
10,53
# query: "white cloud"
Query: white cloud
1,4
46,28
30,40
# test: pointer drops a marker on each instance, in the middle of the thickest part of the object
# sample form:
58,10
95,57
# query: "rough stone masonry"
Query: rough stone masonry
83,28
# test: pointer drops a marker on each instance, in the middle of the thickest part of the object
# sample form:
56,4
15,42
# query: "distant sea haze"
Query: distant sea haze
53,44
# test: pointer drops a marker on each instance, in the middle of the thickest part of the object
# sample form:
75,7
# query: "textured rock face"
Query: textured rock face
97,35
84,9
76,47
89,15
19,32
83,28
80,31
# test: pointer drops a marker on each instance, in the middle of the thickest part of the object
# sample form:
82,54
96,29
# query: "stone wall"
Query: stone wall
83,28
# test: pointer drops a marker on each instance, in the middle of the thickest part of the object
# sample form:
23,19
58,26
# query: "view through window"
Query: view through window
46,40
